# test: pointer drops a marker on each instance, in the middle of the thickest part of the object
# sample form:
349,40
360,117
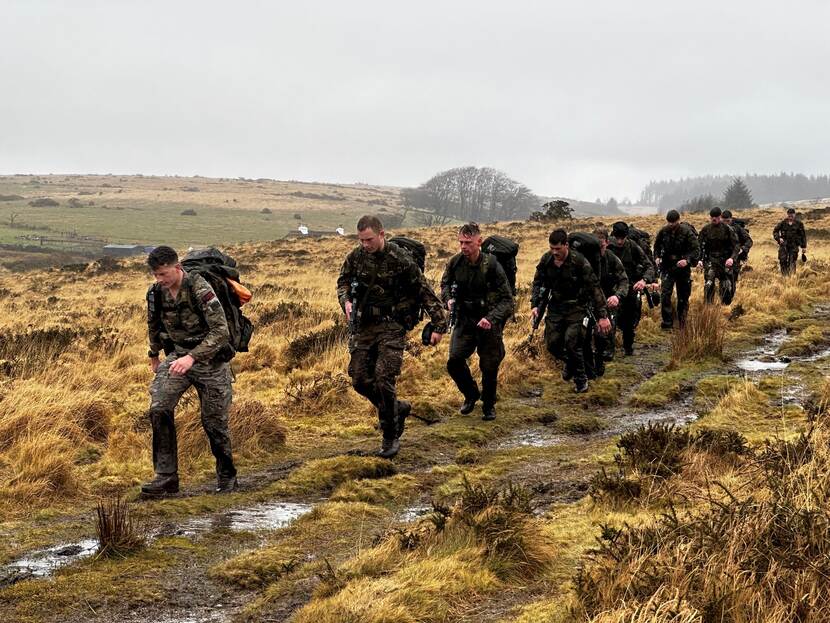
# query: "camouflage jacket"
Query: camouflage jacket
792,235
388,282
613,279
744,239
483,290
634,259
718,242
571,286
675,243
194,322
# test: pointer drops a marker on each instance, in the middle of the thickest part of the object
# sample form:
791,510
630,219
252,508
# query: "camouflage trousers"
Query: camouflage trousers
681,278
377,356
213,386
565,337
787,258
716,270
466,339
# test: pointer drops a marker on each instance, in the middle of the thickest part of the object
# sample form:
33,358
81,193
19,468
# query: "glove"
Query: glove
803,257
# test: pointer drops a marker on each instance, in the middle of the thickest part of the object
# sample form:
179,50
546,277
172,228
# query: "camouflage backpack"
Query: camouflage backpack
413,312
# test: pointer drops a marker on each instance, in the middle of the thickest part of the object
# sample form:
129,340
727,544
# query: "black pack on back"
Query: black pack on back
587,245
416,249
740,223
505,251
216,268
642,239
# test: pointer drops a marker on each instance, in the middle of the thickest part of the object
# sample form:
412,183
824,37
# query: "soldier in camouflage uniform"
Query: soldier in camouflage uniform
676,249
186,320
640,272
790,234
477,292
380,289
719,251
615,286
744,244
572,286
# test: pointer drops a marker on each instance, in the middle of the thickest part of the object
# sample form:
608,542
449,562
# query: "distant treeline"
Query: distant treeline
668,194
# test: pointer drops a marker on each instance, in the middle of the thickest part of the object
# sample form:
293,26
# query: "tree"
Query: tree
737,196
471,193
612,205
703,203
555,210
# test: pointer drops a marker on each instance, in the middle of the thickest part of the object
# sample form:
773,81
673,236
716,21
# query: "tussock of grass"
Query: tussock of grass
395,490
40,468
323,475
701,337
808,341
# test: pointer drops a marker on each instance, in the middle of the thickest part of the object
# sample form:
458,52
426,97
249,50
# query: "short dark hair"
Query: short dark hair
162,256
601,233
672,216
727,214
469,229
619,229
370,221
558,236
790,210
716,211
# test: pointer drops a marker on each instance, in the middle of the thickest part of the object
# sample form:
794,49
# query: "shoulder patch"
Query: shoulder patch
208,296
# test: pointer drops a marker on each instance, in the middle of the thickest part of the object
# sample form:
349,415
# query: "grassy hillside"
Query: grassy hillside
509,510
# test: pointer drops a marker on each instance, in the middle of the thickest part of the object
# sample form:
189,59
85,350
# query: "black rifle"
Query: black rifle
354,316
542,308
454,299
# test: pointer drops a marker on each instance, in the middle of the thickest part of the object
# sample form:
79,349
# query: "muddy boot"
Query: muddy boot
226,484
389,448
469,405
404,409
581,386
162,484
489,413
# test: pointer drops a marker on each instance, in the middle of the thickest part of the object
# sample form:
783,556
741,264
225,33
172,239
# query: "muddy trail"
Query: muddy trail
184,543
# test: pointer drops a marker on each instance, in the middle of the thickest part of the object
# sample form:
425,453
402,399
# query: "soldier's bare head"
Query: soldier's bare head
727,216
558,241
370,233
164,264
602,235
619,231
790,214
673,218
715,215
469,239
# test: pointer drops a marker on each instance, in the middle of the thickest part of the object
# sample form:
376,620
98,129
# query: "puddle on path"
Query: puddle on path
532,438
268,516
764,358
414,512
42,563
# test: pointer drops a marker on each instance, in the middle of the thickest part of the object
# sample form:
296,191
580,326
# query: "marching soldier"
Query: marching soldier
790,234
675,250
478,294
719,250
745,244
381,290
567,278
615,287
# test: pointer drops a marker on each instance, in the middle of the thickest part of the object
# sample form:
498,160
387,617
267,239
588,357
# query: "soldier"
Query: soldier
185,318
381,290
790,234
640,272
675,251
615,287
478,294
719,250
570,282
745,244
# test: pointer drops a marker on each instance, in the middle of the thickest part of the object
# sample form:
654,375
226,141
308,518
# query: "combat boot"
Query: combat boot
489,413
404,409
629,350
389,448
567,375
469,405
226,484
162,484
581,386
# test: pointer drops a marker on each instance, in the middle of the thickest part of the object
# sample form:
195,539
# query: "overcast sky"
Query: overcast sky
579,99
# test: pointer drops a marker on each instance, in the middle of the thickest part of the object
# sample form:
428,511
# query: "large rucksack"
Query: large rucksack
418,252
505,251
219,270
589,246
642,239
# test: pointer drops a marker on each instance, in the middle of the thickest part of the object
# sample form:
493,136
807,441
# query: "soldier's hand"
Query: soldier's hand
348,307
729,262
435,338
450,304
484,324
613,302
654,287
780,241
604,326
682,264
640,285
155,362
182,365
533,313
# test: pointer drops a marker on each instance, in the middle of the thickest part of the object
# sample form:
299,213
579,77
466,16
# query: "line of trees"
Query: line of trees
472,194
668,194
